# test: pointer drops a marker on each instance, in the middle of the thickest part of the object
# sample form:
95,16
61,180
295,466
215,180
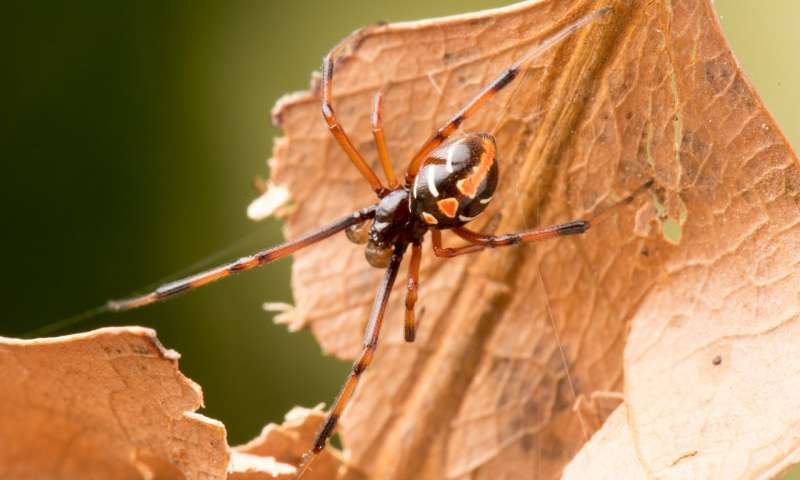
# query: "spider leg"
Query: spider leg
410,330
380,141
370,343
478,242
339,133
502,80
245,263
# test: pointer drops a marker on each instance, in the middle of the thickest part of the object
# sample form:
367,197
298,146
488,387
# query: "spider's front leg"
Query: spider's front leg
339,133
249,262
501,81
478,242
380,141
370,343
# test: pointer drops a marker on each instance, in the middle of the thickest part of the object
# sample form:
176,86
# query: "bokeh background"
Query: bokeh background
130,136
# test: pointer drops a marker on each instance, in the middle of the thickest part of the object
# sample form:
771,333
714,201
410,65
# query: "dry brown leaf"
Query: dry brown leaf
699,268
105,404
111,403
278,447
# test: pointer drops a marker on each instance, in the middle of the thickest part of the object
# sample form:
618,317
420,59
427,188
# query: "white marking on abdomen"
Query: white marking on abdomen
431,184
464,218
449,162
484,201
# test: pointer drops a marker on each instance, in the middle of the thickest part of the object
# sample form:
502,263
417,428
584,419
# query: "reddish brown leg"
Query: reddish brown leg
440,251
339,133
478,242
509,74
410,330
362,362
380,141
246,263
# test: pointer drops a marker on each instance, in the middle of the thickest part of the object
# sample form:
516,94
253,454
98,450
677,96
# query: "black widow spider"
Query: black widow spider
447,185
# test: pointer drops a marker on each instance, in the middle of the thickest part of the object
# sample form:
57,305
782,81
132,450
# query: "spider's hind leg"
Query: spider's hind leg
371,334
478,242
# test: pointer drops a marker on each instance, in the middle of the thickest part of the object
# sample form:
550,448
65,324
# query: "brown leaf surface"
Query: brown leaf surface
105,404
111,403
274,452
685,299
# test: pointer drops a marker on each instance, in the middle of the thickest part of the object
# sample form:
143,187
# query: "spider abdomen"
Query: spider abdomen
456,183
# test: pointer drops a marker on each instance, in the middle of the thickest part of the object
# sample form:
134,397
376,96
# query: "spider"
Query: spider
448,183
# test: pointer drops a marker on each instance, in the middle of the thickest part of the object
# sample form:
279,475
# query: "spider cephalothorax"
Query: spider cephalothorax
447,184
393,224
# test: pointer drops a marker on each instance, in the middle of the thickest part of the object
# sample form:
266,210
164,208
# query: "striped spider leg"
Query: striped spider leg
502,80
370,343
478,242
249,262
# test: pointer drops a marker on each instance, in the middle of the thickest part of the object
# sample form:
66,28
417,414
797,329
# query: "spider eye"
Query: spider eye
378,256
358,233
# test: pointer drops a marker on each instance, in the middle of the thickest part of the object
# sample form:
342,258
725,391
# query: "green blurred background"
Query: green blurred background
132,132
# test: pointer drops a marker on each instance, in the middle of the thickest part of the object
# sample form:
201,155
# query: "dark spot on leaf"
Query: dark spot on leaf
141,350
553,448
503,400
566,393
527,442
531,408
516,424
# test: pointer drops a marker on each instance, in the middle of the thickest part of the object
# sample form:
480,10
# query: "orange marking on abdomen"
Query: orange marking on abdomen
448,206
429,219
469,184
